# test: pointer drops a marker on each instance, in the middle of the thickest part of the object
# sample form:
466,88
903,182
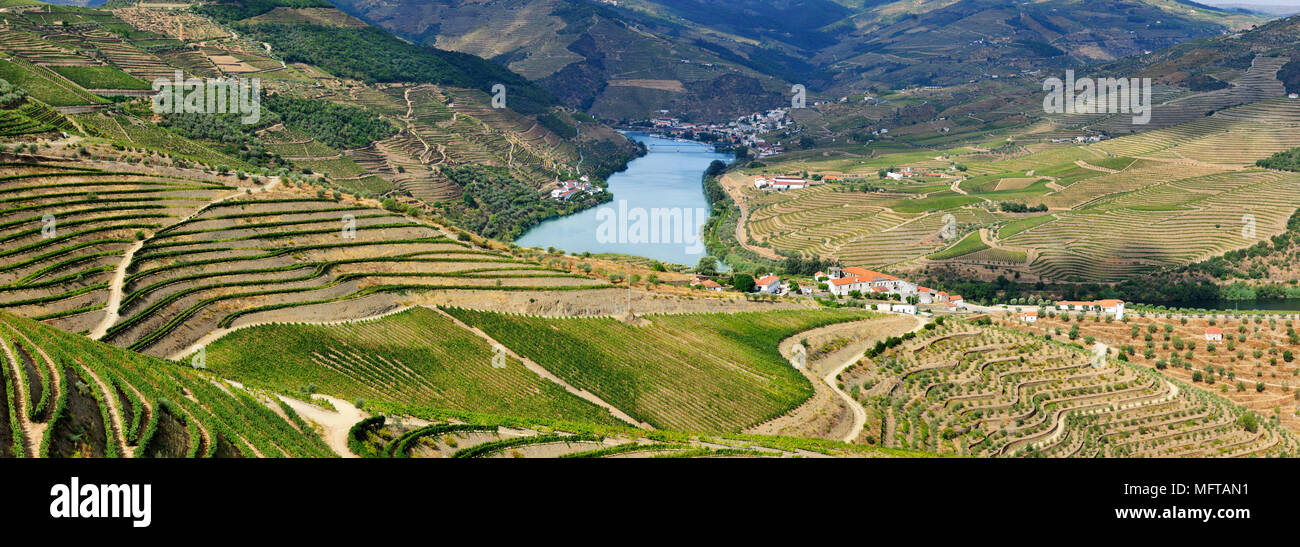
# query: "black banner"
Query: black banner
314,497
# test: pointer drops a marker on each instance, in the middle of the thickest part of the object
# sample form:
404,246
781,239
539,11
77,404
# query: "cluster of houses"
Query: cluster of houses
569,188
1081,139
782,182
743,131
845,281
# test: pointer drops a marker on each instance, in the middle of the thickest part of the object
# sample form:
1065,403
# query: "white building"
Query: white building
903,308
769,284
1214,334
1111,306
1029,317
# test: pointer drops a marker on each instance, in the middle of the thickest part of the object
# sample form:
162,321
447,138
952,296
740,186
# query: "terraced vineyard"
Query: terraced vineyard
970,390
418,357
700,372
281,250
1120,208
67,226
1180,221
1235,136
858,228
472,435
192,253
1259,82
68,397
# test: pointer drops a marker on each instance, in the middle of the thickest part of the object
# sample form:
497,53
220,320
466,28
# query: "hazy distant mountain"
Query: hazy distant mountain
706,59
1287,8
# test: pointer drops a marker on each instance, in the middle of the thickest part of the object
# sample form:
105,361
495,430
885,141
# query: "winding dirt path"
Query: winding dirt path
114,305
735,190
336,424
1087,165
859,414
541,371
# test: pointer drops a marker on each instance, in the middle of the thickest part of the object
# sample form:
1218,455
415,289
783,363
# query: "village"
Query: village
744,131
898,295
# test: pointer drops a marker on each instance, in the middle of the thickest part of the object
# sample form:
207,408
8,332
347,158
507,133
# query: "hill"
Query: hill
409,135
968,390
69,397
628,60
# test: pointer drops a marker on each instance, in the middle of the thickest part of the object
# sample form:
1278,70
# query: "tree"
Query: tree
1249,422
743,282
707,266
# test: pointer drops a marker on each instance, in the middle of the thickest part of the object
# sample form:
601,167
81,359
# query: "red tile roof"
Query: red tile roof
1214,330
869,275
767,280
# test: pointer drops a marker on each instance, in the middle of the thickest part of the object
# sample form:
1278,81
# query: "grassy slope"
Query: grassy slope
454,367
703,372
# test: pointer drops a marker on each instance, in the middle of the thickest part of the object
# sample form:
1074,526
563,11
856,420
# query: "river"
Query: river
657,211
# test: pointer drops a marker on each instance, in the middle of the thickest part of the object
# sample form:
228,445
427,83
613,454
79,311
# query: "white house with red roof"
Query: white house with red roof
1214,334
1028,316
1111,305
769,284
846,280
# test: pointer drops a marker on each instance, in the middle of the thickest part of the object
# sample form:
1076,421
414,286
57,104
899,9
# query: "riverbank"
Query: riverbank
656,210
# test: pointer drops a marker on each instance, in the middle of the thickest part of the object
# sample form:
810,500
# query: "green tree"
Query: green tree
707,266
743,282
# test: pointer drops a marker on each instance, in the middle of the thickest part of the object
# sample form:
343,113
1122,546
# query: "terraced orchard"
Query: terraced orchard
965,389
418,357
64,396
441,434
1253,364
696,372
